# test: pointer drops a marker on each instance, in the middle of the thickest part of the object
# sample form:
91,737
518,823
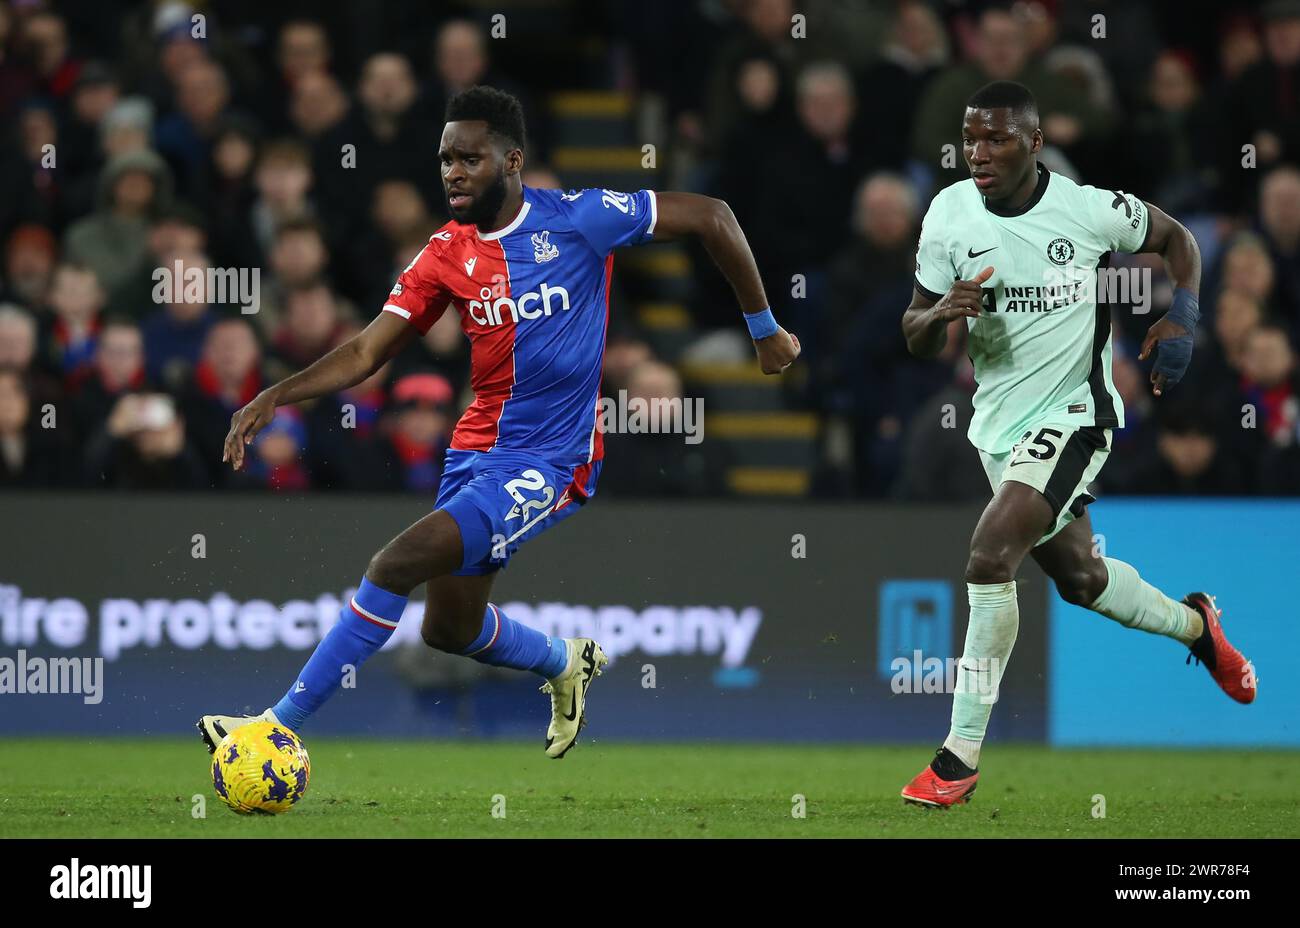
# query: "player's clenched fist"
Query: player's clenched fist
777,351
964,298
244,424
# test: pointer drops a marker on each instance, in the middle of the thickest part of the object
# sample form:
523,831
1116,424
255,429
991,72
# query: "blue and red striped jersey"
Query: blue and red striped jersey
533,299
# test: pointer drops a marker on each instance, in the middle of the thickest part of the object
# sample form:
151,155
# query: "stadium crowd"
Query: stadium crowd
131,144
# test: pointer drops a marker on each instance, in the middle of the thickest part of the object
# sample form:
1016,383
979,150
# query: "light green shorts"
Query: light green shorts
1057,460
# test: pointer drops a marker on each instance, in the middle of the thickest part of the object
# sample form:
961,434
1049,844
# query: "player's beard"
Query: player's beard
483,211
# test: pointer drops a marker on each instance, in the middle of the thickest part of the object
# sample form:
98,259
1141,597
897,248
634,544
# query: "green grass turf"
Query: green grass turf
144,788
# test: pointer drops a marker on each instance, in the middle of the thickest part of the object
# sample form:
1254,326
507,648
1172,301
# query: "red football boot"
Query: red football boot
928,788
1234,674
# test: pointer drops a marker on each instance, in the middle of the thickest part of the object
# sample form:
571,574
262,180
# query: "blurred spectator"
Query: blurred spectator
819,167
38,129
890,91
304,49
118,369
460,60
1268,382
1240,47
142,447
938,463
1236,315
345,451
127,127
45,41
1134,444
400,220
76,299
226,378
622,356
29,265
16,78
1262,107
275,459
766,36
311,326
30,456
81,157
1168,138
445,349
880,259
19,340
229,194
1279,215
177,228
318,105
175,333
298,257
1188,460
860,363
113,240
1001,53
283,178
542,177
418,431
662,463
388,137
185,136
1248,270
303,52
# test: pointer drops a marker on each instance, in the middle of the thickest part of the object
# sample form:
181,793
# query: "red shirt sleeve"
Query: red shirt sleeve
418,296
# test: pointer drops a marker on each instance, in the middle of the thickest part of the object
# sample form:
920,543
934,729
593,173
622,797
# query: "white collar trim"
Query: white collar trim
514,224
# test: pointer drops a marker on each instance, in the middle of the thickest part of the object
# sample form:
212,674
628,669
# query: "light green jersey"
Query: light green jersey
1041,346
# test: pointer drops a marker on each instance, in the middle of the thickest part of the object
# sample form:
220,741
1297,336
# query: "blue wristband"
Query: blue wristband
1186,309
1173,355
761,324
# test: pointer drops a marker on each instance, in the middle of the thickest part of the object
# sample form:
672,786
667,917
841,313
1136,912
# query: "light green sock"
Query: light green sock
1134,603
990,636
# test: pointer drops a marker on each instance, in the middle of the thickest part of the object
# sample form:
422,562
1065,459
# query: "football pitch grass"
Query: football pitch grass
65,787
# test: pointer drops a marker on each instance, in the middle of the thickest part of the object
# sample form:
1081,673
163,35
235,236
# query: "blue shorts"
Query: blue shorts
500,499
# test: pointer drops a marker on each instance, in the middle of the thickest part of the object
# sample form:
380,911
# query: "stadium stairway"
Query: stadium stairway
770,448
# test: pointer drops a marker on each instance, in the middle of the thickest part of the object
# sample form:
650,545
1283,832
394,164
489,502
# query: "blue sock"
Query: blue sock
503,642
364,624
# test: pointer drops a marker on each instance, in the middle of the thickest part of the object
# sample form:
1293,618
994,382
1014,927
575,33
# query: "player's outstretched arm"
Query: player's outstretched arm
690,215
348,364
925,322
1170,239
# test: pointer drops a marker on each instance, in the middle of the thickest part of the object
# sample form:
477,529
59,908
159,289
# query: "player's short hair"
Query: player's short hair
501,111
1005,95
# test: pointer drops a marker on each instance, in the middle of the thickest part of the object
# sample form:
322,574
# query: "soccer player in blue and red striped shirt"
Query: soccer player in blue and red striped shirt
528,271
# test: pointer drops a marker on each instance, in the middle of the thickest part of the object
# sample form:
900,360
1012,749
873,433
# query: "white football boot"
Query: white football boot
214,728
569,694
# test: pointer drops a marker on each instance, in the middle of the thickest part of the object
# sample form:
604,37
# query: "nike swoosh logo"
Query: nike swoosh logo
971,253
573,708
944,791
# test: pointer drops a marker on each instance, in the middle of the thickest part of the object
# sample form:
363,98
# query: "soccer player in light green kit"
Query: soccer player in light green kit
1015,251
